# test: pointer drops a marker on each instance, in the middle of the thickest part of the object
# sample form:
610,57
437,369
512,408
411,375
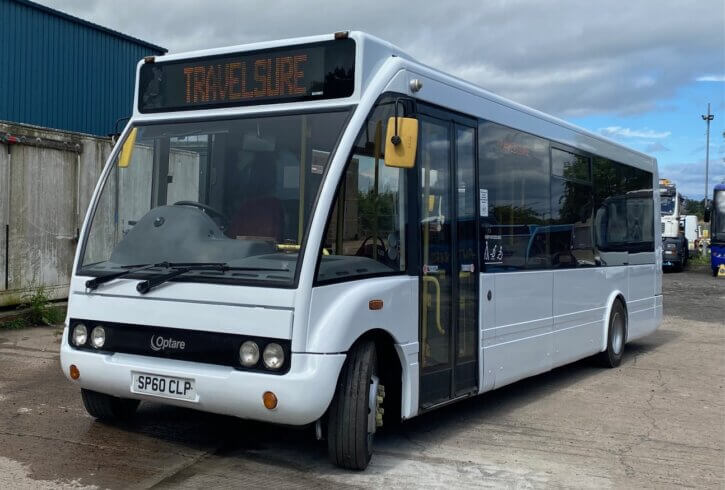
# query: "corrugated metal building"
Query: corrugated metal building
62,72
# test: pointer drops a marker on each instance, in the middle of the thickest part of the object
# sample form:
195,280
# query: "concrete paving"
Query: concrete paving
657,421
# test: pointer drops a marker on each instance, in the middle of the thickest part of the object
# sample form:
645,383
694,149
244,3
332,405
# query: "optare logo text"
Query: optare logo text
161,343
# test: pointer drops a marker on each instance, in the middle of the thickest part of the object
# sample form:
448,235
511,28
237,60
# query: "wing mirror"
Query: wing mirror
127,150
401,142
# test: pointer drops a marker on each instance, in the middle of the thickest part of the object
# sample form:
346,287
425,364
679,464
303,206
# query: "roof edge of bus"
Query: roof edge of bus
276,43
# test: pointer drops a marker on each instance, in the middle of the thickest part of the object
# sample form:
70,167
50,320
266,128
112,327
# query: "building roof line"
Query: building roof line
86,23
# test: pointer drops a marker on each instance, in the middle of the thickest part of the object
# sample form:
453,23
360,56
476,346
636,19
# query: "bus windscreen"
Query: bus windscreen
316,71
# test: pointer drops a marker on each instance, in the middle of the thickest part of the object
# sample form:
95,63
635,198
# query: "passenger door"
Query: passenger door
449,262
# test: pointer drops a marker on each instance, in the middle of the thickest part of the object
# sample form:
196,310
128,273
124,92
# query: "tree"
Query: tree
692,206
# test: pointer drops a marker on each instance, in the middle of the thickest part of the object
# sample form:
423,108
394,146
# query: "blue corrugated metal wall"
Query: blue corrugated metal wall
64,73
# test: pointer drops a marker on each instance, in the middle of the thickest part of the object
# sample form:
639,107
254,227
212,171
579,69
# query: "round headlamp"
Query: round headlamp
273,356
98,337
80,335
249,353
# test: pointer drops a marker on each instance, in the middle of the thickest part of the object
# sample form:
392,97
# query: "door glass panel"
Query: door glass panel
466,253
436,218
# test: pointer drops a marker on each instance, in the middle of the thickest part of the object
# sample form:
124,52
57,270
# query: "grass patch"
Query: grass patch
37,311
699,259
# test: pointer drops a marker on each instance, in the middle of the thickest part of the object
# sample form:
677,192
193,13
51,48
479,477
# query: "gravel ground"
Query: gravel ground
656,421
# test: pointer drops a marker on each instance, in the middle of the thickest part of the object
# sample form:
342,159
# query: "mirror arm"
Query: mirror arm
396,139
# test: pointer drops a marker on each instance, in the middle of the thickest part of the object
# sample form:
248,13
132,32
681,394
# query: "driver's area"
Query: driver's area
365,234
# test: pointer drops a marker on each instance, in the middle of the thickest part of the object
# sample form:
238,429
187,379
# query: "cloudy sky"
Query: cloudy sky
641,72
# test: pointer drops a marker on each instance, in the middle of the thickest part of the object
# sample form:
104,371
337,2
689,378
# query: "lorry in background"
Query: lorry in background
674,243
691,229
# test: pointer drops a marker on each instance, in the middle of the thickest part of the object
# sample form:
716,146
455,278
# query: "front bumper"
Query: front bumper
303,394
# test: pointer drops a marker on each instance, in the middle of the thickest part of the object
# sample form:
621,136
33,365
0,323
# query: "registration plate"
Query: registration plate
164,386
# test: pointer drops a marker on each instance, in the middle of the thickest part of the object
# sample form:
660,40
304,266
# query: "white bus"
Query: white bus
324,231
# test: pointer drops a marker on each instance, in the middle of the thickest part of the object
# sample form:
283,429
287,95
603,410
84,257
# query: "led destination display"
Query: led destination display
314,71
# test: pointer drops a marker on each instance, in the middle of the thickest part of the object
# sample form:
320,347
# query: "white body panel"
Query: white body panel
535,320
690,222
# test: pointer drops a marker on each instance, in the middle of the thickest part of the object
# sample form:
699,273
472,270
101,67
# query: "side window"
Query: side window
365,234
624,212
514,199
570,227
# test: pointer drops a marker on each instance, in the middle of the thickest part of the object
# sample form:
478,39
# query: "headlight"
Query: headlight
80,335
98,337
249,353
273,356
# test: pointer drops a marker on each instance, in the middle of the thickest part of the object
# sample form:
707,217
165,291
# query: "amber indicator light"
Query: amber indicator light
270,400
375,304
74,372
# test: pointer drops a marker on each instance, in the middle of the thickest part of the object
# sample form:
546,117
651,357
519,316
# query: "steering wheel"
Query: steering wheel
205,208
363,250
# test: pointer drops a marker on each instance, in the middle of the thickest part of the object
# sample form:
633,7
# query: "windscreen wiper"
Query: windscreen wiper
132,269
144,287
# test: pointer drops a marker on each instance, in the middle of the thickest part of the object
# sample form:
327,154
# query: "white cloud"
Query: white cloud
561,56
690,176
645,133
711,78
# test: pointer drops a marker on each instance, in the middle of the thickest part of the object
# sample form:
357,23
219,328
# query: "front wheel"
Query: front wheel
616,336
108,408
355,409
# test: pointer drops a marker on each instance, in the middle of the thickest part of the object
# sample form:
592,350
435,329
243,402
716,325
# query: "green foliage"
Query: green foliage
694,207
39,312
15,323
376,212
699,259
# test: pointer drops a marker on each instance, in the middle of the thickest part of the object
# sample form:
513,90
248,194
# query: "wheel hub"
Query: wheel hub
617,334
375,405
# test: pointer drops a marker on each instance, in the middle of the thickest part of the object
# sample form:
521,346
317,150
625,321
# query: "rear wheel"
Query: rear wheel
355,409
616,336
108,408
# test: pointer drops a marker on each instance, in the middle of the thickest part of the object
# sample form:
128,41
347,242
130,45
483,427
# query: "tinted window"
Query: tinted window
363,236
571,224
624,216
569,165
514,198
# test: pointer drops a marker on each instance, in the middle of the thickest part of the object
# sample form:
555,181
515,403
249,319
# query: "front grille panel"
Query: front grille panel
198,346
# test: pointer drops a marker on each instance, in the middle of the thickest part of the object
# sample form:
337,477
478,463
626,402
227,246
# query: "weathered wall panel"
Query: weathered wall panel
43,220
4,210
46,183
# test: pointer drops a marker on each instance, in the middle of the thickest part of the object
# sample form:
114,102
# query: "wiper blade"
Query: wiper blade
144,287
132,269
97,281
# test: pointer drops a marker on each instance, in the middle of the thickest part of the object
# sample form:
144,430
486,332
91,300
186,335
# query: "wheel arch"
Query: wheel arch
390,368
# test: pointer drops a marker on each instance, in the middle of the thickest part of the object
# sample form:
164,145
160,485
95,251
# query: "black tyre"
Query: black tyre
108,408
350,424
616,336
714,273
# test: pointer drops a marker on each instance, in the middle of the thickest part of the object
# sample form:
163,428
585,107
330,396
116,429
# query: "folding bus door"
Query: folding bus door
449,263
